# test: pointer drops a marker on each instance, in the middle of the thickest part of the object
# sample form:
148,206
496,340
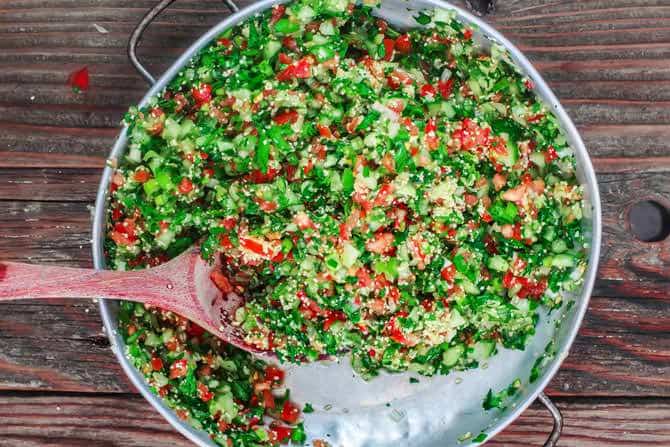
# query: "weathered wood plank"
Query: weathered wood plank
70,185
46,232
69,420
594,423
45,160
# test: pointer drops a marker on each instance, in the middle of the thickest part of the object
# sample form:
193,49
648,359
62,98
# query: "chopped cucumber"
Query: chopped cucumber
498,263
452,355
563,261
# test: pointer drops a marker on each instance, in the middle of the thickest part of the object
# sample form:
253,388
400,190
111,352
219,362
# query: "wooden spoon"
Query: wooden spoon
182,285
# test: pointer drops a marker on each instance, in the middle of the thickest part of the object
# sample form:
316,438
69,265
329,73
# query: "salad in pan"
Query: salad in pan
394,194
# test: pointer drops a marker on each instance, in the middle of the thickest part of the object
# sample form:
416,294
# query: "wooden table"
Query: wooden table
607,60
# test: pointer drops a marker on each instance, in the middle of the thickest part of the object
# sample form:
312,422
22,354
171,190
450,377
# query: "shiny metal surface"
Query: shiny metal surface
389,411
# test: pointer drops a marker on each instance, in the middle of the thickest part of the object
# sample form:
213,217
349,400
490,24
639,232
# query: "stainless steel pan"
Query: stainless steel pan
388,411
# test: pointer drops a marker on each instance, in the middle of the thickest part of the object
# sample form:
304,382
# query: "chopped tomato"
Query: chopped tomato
394,330
389,44
449,273
194,330
185,186
285,117
290,413
300,70
224,42
277,13
274,374
202,94
403,44
364,279
268,399
79,79
204,393
384,196
550,155
470,199
285,59
156,363
290,43
257,176
279,433
303,221
324,131
381,244
470,135
178,369
398,78
267,205
428,91
124,233
430,126
467,34
225,242
221,281
333,316
445,87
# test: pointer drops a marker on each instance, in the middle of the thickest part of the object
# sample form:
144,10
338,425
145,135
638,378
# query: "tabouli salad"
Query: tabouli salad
394,194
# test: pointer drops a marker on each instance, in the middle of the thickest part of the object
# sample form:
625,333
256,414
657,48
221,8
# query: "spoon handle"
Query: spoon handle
28,281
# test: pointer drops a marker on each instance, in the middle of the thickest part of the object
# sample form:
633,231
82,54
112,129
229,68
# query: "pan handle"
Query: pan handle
137,33
558,420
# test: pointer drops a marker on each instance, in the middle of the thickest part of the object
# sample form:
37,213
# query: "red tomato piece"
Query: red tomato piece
185,186
389,45
467,34
333,316
194,330
430,126
286,117
156,363
364,279
448,273
445,88
79,79
268,399
381,244
394,330
279,433
274,374
290,412
324,131
290,43
427,90
178,369
403,44
202,94
550,155
221,281
285,59
141,176
204,393
277,13
384,195
303,68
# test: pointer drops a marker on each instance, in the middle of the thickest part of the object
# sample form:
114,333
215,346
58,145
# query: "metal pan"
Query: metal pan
388,412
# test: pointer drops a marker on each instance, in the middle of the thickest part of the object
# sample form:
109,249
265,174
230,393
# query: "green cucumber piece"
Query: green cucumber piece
452,355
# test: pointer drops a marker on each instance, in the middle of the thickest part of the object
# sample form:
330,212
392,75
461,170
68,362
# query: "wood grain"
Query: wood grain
80,420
